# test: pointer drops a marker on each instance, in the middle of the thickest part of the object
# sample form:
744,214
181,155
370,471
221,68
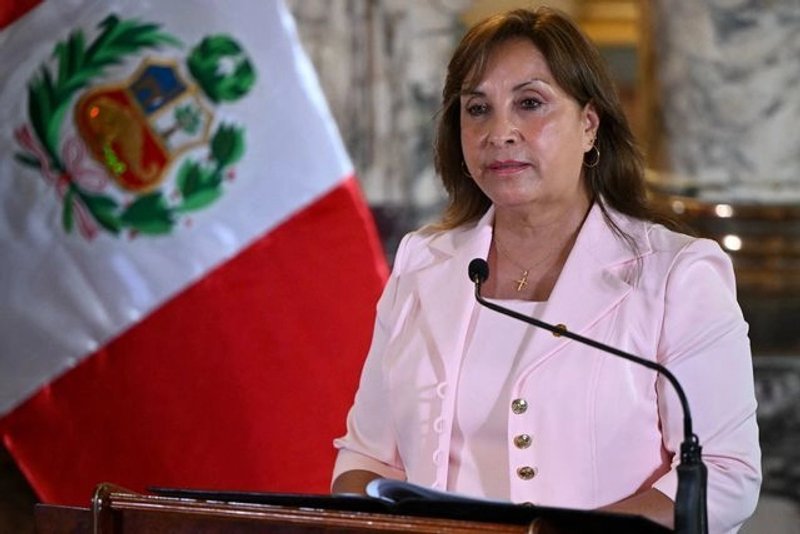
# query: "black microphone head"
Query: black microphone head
478,270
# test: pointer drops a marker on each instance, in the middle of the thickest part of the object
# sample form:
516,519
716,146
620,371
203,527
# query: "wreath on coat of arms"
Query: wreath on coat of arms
134,130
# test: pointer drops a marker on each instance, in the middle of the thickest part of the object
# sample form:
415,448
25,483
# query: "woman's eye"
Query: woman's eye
476,110
530,103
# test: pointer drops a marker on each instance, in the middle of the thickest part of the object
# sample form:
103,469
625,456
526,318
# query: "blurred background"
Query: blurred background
710,87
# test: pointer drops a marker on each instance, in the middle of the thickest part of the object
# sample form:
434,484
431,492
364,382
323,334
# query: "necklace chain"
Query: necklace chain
523,279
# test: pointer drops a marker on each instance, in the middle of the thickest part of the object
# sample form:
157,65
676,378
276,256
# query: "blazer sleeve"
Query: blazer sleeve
370,442
704,342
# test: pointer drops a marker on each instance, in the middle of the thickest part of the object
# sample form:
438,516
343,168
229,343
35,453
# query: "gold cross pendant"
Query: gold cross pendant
522,282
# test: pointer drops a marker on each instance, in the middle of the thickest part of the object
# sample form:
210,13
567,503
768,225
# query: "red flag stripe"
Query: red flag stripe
240,382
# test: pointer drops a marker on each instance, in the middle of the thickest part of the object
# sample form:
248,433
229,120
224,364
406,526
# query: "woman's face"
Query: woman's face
522,136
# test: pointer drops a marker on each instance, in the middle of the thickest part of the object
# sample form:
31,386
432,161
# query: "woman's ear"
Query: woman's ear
591,125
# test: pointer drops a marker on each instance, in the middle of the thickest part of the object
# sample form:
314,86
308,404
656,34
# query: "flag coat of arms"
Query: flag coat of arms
189,270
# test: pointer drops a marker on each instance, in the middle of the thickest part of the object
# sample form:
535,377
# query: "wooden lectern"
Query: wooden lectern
117,510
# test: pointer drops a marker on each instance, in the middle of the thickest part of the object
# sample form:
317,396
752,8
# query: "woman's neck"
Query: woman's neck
529,251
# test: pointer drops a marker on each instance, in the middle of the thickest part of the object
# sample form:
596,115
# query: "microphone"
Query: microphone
690,502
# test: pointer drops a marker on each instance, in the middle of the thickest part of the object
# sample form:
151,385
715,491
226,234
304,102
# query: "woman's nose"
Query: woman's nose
502,131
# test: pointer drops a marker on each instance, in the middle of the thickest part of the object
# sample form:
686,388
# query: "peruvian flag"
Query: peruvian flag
188,270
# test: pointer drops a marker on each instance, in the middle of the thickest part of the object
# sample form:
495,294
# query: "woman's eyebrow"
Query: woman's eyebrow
519,86
526,83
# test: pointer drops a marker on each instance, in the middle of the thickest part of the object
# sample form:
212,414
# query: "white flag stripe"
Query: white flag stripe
66,296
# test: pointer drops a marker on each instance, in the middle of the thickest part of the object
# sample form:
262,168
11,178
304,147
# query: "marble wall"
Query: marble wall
382,66
728,73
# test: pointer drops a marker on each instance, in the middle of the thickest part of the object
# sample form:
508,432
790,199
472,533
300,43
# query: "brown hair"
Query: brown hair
580,71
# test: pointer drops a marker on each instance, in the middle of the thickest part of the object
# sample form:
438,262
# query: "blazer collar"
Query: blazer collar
599,272
596,237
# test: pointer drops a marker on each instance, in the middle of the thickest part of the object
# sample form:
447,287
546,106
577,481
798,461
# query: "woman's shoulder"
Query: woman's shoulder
659,238
682,256
664,240
670,247
424,245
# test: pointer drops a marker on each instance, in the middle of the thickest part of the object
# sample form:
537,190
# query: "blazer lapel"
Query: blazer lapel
446,294
599,273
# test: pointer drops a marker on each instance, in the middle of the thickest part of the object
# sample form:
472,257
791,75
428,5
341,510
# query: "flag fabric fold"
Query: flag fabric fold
189,268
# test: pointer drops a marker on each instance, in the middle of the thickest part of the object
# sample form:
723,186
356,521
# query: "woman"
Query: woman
545,182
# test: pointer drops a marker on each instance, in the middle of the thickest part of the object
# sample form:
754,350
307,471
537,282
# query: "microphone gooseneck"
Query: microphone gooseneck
690,501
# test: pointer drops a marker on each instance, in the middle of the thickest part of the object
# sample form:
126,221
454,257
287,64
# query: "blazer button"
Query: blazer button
527,472
519,406
438,425
523,441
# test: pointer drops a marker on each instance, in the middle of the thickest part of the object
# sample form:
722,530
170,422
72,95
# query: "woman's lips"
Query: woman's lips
507,166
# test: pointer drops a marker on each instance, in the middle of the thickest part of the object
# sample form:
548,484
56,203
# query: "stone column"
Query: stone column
381,65
729,82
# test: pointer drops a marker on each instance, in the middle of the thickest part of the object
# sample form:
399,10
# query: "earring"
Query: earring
594,163
464,169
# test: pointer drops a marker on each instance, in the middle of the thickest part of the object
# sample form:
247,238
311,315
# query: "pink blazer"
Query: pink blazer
602,428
